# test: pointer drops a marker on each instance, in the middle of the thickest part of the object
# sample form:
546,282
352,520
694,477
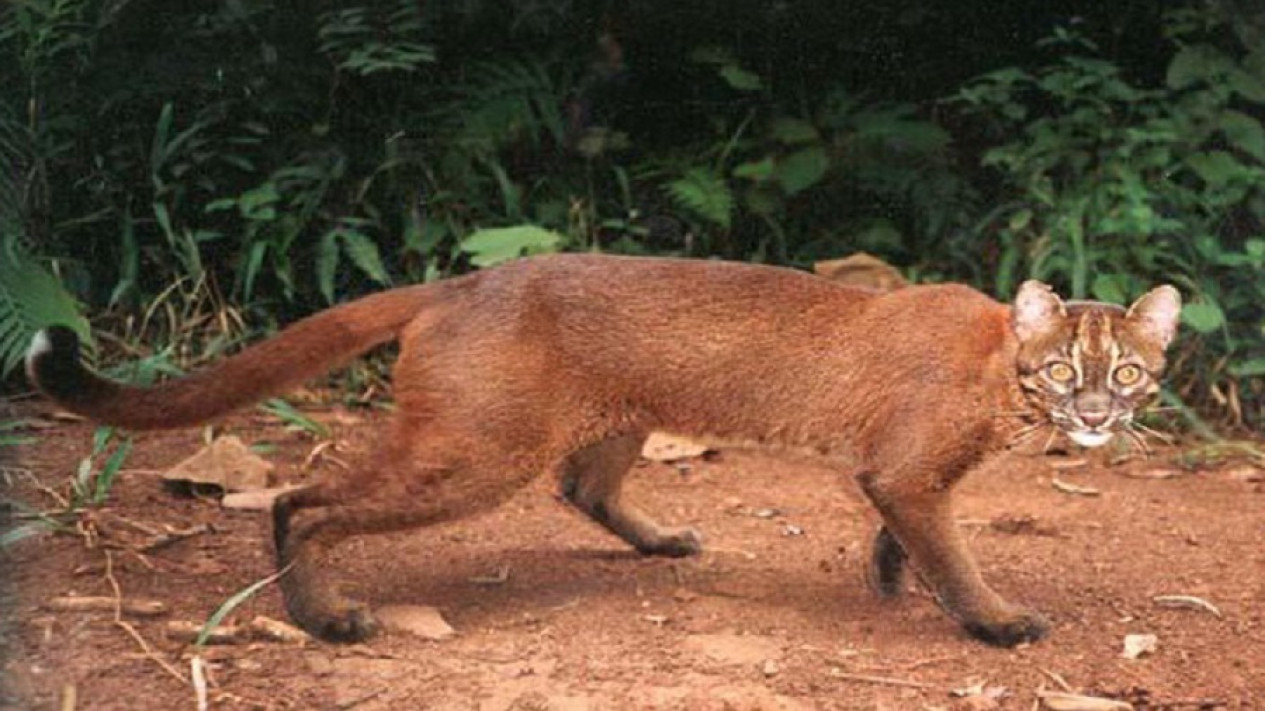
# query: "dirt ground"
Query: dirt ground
552,613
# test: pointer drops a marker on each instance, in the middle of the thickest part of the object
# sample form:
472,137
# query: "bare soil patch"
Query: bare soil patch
552,613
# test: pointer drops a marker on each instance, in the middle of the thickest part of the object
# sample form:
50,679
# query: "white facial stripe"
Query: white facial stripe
1076,364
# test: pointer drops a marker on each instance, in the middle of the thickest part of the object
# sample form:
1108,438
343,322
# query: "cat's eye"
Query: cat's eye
1128,374
1060,372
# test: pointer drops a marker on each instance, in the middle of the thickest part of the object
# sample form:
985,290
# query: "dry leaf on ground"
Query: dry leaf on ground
226,463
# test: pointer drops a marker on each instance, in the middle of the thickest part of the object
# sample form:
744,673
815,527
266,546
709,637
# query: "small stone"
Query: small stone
770,668
418,620
1137,645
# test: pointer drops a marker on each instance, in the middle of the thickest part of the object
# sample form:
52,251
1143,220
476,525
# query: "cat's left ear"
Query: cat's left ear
1037,310
1156,313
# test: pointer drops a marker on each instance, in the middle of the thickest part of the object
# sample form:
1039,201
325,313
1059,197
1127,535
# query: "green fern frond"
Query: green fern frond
30,299
705,193
506,103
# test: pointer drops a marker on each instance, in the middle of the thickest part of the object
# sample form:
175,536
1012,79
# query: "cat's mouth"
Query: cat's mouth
1090,438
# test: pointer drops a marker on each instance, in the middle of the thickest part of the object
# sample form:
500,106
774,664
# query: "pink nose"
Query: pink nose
1093,419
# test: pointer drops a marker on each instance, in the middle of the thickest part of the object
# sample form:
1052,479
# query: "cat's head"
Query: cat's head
1088,365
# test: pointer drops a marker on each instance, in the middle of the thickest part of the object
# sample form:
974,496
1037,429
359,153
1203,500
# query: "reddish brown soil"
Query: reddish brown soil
763,620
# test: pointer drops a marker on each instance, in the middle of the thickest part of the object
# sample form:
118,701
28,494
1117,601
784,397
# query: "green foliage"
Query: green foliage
492,246
193,168
31,298
705,194
92,482
369,40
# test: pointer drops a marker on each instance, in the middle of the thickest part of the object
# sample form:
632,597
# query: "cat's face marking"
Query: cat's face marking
1087,366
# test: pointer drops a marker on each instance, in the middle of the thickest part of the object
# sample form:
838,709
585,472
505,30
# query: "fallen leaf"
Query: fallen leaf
226,463
861,269
1136,645
663,447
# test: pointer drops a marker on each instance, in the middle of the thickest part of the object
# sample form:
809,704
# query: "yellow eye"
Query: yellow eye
1128,374
1060,372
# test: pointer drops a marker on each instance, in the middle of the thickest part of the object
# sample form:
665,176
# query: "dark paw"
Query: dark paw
1024,627
353,624
679,544
887,565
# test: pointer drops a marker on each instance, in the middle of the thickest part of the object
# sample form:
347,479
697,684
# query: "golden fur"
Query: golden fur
565,363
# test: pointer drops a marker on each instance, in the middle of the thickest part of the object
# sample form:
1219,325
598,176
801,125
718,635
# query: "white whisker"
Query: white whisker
1161,436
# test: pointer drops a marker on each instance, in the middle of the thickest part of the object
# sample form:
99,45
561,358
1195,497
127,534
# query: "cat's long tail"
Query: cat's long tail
299,353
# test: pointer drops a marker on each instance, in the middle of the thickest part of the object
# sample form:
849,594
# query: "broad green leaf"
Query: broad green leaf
1249,83
1215,167
792,130
259,203
802,169
1251,368
364,254
1255,248
1194,63
1205,316
327,264
1020,219
1244,132
493,246
757,170
1111,288
741,79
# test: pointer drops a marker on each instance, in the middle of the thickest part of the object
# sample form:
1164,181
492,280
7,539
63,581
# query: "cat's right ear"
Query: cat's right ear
1037,310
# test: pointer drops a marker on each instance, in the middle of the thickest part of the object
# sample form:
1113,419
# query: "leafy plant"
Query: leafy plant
1114,186
493,246
30,299
92,482
369,40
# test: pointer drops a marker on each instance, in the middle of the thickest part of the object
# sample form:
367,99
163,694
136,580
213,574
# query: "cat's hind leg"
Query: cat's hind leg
406,490
592,480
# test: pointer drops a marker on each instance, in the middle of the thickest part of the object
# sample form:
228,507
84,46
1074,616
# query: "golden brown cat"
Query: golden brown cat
564,363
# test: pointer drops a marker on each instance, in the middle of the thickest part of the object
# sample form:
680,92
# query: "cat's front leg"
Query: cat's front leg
917,515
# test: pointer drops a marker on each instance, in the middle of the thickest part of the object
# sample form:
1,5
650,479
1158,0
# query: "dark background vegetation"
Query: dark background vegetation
188,173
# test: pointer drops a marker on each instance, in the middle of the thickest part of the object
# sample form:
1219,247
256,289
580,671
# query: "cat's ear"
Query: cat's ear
1037,310
1156,314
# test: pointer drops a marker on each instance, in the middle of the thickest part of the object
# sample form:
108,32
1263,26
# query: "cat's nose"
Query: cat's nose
1094,418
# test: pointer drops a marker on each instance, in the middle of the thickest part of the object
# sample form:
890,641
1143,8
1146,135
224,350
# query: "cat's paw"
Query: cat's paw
1022,627
345,622
886,572
674,543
